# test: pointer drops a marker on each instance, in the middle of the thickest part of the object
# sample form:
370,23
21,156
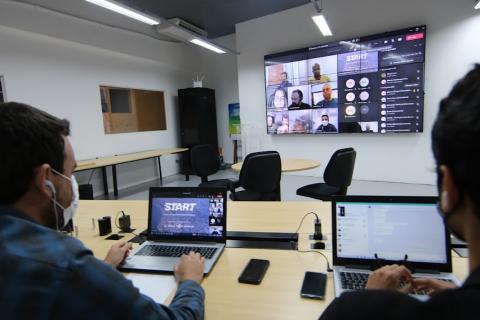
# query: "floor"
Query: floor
289,184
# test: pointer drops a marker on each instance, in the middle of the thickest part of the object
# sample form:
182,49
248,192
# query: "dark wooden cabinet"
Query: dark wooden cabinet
198,120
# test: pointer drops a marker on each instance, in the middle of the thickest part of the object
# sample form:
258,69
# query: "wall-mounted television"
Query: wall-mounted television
370,84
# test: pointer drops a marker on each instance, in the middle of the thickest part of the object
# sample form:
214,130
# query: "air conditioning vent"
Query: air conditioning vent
188,26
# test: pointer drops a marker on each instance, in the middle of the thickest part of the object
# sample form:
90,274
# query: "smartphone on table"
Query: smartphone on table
314,285
254,271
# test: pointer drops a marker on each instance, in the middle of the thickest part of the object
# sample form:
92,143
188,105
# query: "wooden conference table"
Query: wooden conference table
104,162
278,296
288,165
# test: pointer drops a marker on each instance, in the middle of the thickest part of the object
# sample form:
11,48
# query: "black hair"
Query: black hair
29,138
456,135
300,93
325,115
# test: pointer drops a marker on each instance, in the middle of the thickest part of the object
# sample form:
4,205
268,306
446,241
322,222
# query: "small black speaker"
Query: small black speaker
104,225
85,192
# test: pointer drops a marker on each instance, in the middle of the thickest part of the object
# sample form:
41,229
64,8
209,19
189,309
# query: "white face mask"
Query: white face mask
325,123
68,212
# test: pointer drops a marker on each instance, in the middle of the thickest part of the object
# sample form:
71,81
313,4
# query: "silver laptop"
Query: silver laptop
372,231
181,220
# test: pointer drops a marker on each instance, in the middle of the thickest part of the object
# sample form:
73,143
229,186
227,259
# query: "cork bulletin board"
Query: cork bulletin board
132,110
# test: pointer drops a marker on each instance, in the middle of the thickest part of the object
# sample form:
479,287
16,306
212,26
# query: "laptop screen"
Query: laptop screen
187,213
390,228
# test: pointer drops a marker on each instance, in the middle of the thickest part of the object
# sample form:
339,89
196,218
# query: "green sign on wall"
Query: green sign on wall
234,118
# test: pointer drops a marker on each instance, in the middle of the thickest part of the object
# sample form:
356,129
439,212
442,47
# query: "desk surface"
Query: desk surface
289,165
278,296
122,158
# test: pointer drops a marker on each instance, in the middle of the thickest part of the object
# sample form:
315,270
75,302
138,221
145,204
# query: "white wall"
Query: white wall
452,47
63,77
220,72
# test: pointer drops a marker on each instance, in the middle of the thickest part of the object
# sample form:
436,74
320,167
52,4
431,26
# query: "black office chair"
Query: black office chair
337,176
205,162
260,177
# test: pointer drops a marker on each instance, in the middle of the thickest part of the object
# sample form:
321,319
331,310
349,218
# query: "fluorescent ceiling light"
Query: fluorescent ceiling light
126,11
477,5
207,45
322,25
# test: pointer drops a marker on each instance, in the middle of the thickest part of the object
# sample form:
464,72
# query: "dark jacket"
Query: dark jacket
461,303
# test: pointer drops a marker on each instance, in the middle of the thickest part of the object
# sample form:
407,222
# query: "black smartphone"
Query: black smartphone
114,237
314,285
254,271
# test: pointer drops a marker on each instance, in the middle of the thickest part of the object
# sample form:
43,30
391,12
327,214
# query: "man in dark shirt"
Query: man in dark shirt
45,274
297,104
325,126
456,150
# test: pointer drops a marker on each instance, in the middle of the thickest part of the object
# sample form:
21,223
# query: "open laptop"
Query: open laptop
180,220
371,231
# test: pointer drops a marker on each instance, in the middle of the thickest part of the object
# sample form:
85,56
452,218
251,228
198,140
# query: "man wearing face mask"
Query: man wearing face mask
456,148
44,273
325,126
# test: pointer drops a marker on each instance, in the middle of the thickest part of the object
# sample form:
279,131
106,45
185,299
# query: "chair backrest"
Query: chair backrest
261,172
339,170
205,160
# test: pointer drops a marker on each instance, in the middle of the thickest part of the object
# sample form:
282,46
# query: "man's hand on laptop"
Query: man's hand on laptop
391,278
190,267
117,253
432,286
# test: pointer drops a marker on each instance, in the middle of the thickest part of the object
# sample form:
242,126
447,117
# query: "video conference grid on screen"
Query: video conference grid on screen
202,216
373,84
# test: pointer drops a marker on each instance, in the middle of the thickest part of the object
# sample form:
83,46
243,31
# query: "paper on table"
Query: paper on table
156,286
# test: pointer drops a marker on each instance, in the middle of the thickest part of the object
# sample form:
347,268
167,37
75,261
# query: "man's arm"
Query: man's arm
95,290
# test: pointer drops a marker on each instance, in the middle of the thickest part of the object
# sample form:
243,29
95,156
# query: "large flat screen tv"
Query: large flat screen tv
371,84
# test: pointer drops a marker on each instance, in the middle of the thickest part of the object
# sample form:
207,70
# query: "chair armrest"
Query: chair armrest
235,184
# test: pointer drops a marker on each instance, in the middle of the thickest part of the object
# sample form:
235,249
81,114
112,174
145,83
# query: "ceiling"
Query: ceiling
216,17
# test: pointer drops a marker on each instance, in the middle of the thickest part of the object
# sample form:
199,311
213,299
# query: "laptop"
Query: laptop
180,220
372,231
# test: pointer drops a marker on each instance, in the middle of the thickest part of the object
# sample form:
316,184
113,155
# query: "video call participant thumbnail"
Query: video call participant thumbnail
317,75
278,100
300,121
326,126
283,128
328,100
297,101
271,126
285,83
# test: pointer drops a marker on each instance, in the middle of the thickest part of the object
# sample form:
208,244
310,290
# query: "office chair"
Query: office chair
205,162
337,177
259,177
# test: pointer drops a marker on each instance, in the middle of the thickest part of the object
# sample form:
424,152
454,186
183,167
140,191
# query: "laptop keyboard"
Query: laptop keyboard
358,281
175,251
